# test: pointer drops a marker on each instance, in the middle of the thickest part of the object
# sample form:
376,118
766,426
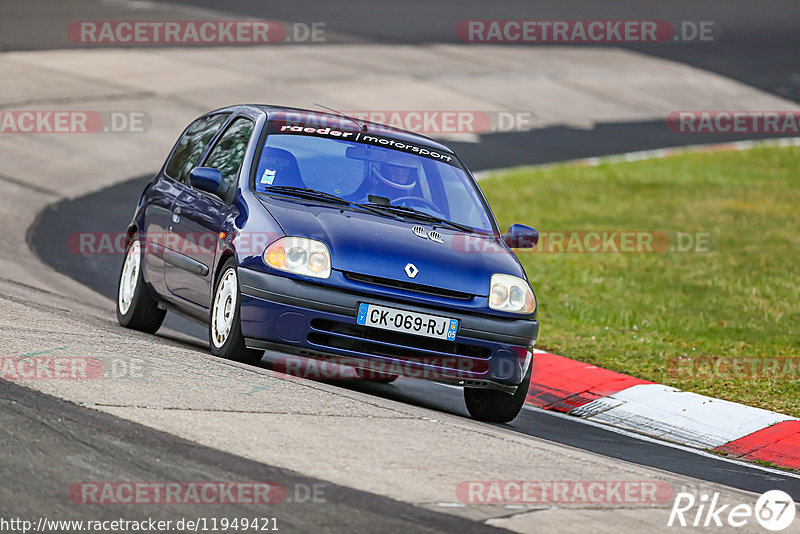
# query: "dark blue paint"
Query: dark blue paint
206,179
188,219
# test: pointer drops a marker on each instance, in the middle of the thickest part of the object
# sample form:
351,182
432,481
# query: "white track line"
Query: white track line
643,437
648,439
679,416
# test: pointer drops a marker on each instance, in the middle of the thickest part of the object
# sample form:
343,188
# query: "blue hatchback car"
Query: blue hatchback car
324,237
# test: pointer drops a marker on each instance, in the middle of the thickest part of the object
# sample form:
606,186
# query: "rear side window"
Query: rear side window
229,152
187,152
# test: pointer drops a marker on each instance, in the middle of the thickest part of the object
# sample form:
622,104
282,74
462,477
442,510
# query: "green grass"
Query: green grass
635,312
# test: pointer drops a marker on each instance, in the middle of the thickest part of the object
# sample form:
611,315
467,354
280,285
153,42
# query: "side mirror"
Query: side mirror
206,179
521,236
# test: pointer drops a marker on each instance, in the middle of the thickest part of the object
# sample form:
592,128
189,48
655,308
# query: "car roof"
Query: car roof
343,123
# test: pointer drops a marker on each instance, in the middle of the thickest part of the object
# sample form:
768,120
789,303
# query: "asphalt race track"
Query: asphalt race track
110,209
759,48
758,41
46,427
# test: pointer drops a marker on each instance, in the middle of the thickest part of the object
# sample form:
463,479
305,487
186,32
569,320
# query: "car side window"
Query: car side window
228,154
187,152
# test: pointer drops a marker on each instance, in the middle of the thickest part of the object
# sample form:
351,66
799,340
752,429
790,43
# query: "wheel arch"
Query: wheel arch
132,230
223,257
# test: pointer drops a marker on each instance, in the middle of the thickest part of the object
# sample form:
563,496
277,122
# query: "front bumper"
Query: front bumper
315,321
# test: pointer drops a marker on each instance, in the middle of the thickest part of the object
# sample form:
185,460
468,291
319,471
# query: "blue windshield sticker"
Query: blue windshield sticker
268,177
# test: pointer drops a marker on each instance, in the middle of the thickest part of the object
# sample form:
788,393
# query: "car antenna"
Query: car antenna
361,126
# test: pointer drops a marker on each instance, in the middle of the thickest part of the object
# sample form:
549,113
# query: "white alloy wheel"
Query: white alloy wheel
224,308
129,277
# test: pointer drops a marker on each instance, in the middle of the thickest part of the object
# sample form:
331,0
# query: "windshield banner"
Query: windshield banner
316,129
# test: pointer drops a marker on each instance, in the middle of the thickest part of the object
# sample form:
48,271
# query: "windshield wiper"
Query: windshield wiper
306,192
380,209
421,215
315,194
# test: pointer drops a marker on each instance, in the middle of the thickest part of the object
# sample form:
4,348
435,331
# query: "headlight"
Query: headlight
511,294
299,255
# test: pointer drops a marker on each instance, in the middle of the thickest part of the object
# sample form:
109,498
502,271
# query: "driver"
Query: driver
394,181
397,176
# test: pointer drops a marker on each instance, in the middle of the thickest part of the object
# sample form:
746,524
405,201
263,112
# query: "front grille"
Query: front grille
408,286
395,345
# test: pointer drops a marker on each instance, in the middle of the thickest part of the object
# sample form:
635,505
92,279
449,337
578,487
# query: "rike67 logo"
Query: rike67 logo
774,511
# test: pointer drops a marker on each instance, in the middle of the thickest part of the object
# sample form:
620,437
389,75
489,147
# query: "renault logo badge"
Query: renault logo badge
411,270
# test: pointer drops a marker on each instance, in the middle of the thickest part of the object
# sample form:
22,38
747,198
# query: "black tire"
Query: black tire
143,313
233,347
495,406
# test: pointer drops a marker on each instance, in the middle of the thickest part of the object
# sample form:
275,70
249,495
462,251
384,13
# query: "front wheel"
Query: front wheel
225,327
136,308
496,406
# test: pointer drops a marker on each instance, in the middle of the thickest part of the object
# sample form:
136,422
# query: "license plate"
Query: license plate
421,324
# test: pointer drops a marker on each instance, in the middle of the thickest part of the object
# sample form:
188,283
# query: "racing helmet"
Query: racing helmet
397,176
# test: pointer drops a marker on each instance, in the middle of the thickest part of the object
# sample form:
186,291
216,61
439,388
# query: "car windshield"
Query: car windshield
367,174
